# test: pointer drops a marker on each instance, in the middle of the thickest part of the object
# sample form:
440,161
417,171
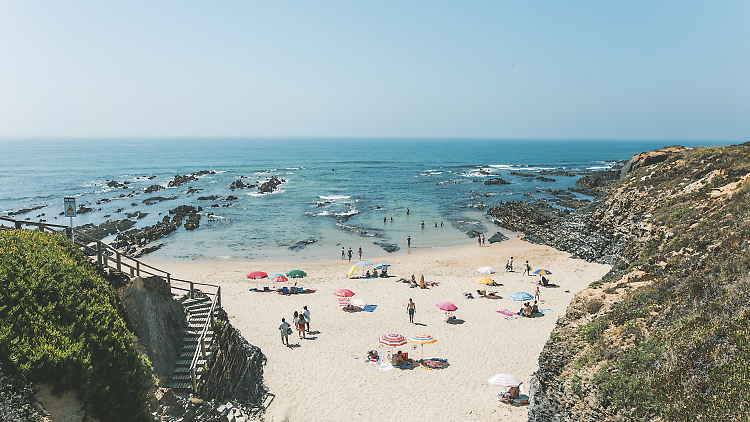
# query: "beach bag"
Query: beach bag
289,331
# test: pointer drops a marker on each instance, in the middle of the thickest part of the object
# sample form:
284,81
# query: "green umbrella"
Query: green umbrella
296,274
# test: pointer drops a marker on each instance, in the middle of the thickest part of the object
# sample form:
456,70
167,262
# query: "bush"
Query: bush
60,323
593,331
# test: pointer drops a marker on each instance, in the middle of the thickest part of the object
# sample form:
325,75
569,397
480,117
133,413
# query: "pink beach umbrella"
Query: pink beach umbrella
447,306
344,295
257,275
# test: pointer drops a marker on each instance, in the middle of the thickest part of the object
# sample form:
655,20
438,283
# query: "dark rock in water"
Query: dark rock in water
105,229
302,244
519,174
120,210
101,201
497,181
473,233
82,209
153,188
388,247
27,210
180,213
116,185
193,221
362,231
208,198
215,206
270,185
598,179
545,179
181,180
524,217
155,199
136,214
232,198
498,237
193,190
143,251
556,173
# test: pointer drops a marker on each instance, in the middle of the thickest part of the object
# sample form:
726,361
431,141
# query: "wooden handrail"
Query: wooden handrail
201,349
102,259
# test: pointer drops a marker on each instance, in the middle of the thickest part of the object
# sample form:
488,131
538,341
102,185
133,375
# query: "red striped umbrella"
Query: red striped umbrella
392,339
279,279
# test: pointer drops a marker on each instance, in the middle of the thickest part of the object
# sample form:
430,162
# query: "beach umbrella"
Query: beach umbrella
520,296
447,306
364,263
344,293
296,274
422,339
484,280
276,275
505,380
279,279
392,340
382,265
542,272
351,272
257,275
486,270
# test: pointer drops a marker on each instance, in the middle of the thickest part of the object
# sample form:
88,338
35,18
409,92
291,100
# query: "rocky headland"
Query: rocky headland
663,336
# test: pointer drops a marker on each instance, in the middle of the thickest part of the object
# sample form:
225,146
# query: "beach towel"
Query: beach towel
369,308
506,312
385,366
544,311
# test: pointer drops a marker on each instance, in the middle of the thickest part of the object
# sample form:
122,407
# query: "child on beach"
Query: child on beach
527,269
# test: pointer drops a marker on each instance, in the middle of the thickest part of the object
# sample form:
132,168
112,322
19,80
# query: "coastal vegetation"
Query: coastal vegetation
61,323
665,337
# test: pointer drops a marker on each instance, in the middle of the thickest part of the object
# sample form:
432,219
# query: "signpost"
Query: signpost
70,211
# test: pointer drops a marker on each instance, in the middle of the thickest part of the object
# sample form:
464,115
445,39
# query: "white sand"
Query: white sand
326,378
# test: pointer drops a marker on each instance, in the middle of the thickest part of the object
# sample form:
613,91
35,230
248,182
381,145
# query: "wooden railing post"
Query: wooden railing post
119,261
69,233
203,348
99,253
218,296
192,296
138,268
192,377
169,280
18,225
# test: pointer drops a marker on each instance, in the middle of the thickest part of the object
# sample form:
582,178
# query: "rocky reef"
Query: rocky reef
662,336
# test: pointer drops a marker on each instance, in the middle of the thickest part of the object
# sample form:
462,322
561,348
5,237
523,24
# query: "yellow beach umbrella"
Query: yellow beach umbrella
484,280
422,339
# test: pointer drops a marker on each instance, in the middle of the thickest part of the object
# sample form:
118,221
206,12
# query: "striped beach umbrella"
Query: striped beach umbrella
422,339
392,340
542,271
279,279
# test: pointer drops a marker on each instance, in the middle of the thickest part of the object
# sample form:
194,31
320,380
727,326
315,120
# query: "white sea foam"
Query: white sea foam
333,197
264,194
599,168
324,213
352,211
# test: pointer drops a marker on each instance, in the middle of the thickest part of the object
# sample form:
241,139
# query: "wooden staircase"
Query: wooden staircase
199,317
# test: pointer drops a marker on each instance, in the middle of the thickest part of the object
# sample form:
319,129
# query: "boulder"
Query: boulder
497,181
153,188
648,158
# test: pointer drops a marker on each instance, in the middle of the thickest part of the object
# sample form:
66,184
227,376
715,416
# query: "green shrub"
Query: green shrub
593,331
60,323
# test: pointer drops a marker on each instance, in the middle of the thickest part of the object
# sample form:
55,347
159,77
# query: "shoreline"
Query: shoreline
319,376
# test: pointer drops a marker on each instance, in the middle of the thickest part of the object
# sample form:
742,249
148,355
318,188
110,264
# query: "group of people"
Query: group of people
374,273
301,323
529,309
349,253
399,359
481,240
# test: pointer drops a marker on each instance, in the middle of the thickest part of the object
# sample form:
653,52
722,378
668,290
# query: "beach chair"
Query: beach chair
285,290
358,303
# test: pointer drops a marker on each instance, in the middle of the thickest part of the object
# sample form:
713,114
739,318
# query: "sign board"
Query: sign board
70,206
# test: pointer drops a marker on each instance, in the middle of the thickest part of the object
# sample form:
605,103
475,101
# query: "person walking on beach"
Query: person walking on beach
301,325
284,328
343,253
360,254
306,313
407,211
509,265
411,308
479,240
526,269
349,252
483,239
536,295
408,241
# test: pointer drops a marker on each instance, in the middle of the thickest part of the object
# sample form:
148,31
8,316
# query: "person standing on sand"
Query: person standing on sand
483,239
284,328
408,241
301,325
349,252
342,253
360,254
526,269
509,265
411,308
479,240
536,295
306,313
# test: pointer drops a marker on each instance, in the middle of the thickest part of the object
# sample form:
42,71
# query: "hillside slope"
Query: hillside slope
664,336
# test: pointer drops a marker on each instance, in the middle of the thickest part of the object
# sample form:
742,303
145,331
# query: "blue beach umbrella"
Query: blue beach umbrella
276,275
520,296
542,272
381,266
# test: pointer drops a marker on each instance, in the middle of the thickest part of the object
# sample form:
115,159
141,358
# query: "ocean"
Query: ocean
350,193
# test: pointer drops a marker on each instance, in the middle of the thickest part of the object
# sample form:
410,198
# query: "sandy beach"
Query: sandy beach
326,377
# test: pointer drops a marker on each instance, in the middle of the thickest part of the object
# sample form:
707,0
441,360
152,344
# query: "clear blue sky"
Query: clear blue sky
583,69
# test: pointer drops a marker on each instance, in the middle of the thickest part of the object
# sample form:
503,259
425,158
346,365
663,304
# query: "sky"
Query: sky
673,70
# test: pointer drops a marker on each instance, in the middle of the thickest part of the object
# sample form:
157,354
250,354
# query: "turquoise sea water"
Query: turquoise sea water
337,191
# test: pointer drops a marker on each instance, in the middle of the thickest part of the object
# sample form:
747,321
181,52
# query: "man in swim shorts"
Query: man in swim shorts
411,308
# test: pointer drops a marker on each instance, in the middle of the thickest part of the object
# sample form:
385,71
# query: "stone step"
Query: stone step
189,353
186,370
186,362
198,308
189,302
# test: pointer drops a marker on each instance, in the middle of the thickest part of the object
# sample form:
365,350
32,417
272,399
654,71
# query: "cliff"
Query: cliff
663,336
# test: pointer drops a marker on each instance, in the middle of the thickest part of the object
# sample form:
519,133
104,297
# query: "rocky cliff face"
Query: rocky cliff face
663,336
